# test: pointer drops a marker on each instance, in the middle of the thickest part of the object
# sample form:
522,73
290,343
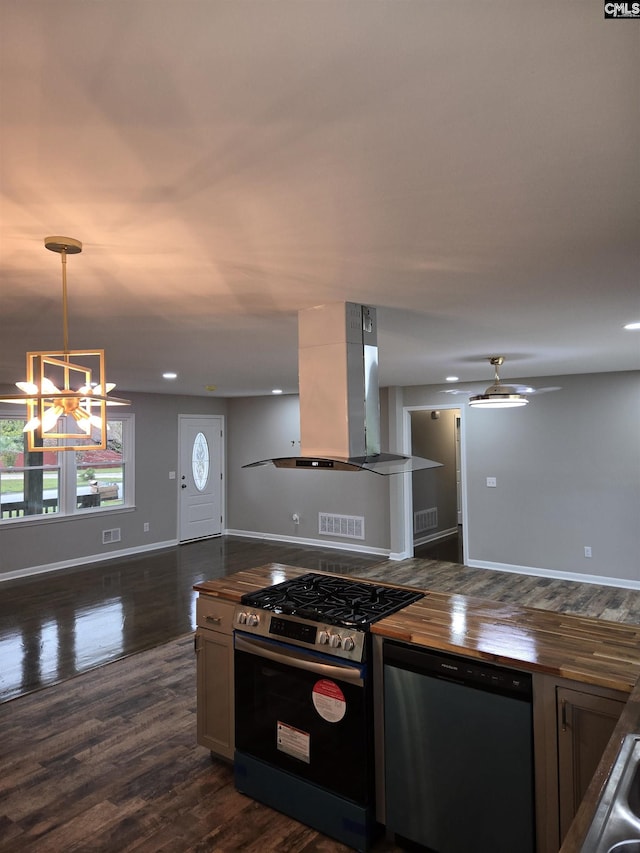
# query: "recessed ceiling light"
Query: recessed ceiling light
277,391
452,378
169,375
633,326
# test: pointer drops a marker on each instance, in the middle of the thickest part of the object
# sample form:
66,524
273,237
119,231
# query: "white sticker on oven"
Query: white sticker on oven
293,741
329,701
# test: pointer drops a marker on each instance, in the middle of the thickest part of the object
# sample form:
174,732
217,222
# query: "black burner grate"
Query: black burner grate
335,600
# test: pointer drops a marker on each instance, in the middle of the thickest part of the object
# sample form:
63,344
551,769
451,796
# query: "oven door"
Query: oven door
305,713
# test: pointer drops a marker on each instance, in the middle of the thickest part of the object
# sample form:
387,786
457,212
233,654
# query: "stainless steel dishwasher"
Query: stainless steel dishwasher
458,744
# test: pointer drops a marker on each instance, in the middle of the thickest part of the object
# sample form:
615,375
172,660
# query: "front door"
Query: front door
200,494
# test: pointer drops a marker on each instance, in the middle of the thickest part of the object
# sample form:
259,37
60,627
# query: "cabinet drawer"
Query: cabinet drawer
215,614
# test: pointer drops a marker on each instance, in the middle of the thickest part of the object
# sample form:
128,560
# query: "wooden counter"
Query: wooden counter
591,651
233,587
587,650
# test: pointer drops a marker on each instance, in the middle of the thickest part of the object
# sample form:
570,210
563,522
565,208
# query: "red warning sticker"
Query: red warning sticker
329,701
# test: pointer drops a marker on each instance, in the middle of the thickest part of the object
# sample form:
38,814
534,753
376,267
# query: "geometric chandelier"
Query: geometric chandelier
498,396
66,392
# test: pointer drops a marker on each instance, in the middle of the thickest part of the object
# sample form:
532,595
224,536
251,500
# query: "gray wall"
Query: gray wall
568,474
435,438
567,467
68,540
262,500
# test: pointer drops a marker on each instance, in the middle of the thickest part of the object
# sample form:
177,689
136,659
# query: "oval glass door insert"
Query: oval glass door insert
200,461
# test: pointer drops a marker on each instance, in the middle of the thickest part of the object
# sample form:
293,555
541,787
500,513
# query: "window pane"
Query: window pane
30,491
29,485
200,461
100,473
62,482
11,442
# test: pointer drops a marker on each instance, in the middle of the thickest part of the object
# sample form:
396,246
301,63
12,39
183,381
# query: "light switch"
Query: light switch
492,482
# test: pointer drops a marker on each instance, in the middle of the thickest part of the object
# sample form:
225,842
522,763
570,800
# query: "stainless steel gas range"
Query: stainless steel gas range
304,716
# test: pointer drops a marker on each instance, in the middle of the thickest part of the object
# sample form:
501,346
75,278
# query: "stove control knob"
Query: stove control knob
334,640
323,638
252,619
348,644
242,618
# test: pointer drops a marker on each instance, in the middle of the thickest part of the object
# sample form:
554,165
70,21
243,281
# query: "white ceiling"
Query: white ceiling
472,169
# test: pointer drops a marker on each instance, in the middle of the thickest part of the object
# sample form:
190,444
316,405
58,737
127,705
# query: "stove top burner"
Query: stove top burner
334,600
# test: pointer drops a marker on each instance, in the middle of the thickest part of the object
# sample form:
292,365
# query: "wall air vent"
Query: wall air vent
109,536
350,526
425,519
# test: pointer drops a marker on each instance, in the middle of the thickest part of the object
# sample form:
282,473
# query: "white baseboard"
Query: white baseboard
577,577
321,543
433,537
83,561
316,543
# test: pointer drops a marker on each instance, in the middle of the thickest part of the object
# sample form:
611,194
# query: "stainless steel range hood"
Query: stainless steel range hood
339,395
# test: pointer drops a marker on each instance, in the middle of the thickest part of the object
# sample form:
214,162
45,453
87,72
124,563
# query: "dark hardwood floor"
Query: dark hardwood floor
107,762
449,548
56,625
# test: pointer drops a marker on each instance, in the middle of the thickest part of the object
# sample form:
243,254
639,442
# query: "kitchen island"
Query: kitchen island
563,652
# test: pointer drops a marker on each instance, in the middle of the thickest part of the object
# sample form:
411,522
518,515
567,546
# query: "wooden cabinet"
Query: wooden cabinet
572,725
585,722
214,650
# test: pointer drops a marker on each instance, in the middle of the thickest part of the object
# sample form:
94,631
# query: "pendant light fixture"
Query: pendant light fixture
66,390
498,396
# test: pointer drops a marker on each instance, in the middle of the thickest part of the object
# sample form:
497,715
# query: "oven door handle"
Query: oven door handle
299,660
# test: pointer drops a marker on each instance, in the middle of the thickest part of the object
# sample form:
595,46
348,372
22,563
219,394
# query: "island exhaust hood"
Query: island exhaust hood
339,395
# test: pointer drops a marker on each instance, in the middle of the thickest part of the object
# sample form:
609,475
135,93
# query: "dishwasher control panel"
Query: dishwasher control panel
466,671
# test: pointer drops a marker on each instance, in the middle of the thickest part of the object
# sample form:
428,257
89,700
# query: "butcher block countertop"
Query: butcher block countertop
588,650
233,587
591,651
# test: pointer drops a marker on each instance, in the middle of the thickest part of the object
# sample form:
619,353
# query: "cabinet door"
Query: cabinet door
585,724
215,691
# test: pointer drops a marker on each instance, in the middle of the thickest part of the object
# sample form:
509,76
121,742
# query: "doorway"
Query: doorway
200,501
436,493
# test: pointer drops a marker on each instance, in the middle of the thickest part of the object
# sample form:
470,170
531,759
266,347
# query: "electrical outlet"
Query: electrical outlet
296,518
587,551
492,482
146,527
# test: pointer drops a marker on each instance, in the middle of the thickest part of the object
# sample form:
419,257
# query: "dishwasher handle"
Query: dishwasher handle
298,659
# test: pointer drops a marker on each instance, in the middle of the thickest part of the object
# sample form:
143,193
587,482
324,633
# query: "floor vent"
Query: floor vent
425,519
109,536
351,526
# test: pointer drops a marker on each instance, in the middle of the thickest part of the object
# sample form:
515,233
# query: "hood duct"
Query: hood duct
339,394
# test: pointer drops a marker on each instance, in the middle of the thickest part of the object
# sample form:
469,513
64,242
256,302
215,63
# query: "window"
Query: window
66,483
200,462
